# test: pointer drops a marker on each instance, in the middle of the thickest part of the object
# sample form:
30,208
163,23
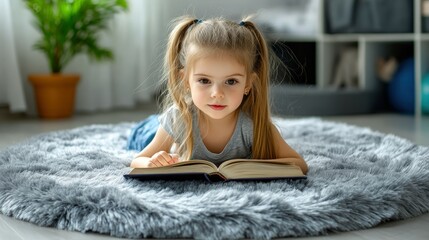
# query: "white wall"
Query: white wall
234,9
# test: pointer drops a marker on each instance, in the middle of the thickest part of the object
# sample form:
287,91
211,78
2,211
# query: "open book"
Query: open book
237,169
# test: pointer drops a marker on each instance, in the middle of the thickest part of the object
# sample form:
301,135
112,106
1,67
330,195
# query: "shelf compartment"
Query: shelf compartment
337,62
374,52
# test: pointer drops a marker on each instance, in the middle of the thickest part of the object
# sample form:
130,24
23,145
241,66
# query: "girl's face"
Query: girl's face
218,85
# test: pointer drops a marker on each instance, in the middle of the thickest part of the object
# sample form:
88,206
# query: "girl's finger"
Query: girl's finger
159,159
164,158
174,158
156,163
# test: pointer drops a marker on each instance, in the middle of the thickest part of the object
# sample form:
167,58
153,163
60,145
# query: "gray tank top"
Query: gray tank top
238,147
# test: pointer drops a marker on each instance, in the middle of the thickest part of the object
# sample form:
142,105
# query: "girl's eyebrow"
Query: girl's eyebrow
232,75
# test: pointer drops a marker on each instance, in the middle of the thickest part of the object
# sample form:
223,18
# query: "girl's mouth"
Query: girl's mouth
217,107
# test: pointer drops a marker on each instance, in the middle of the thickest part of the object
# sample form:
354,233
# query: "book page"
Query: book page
243,168
280,161
191,166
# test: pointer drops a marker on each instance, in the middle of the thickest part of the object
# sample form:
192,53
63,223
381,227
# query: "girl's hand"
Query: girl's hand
163,158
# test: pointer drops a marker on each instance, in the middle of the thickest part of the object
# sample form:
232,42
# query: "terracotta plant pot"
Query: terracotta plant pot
55,94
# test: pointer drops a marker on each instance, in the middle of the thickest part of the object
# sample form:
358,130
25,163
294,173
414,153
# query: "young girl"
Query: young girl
216,105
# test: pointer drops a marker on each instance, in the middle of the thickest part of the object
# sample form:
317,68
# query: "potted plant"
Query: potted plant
68,28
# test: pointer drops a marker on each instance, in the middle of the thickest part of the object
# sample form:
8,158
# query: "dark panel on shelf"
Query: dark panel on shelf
296,63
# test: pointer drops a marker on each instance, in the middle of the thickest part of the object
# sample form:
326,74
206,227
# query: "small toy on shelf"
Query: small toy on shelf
346,72
386,68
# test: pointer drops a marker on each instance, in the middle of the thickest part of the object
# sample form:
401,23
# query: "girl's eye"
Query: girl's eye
204,81
231,81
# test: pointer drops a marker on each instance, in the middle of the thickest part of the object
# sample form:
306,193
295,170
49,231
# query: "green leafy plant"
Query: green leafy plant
70,27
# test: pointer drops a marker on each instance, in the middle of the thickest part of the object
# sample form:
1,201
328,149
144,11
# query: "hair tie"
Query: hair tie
196,21
242,23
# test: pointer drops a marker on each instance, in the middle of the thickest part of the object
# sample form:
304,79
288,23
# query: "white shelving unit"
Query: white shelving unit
370,48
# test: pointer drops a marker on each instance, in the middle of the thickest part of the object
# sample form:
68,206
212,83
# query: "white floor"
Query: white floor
15,128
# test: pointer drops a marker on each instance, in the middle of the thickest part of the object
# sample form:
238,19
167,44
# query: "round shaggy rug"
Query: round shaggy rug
74,180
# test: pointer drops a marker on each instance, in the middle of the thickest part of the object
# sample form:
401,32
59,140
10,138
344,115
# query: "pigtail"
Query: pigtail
176,88
257,103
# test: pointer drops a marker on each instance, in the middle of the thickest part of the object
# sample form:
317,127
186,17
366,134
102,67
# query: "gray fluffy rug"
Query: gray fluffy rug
73,180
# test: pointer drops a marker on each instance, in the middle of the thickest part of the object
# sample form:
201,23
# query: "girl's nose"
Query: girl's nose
217,92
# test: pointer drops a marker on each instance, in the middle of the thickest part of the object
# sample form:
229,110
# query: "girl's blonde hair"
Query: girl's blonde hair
219,36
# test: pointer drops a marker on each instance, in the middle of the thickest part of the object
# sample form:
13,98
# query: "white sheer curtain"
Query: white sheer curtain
10,78
136,38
